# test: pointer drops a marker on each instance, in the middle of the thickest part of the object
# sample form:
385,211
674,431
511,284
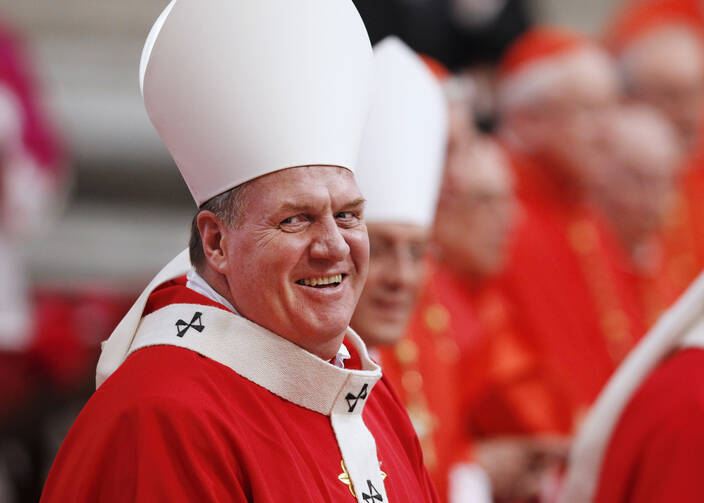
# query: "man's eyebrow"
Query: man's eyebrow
355,203
290,206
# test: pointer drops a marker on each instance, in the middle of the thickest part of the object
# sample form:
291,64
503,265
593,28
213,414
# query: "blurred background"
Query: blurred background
91,205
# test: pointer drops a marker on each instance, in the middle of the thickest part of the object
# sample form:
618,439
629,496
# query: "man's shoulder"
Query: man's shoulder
679,380
175,291
670,399
164,378
662,421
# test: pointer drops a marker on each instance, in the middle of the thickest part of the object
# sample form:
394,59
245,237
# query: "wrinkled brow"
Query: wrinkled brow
360,201
290,206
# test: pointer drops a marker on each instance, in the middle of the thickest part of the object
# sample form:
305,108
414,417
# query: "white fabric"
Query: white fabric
342,354
284,369
115,349
469,483
197,283
695,337
403,150
149,44
672,329
238,88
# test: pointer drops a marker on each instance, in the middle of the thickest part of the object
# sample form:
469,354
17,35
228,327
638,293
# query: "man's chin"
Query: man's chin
322,328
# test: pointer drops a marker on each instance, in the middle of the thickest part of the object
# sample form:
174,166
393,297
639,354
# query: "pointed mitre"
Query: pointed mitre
239,88
403,150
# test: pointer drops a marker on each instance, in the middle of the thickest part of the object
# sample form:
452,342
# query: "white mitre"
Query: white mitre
403,150
239,88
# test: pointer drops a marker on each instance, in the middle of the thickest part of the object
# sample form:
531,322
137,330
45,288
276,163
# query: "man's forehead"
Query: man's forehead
665,50
305,186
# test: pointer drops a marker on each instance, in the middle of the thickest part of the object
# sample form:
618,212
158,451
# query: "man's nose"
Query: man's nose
400,270
329,243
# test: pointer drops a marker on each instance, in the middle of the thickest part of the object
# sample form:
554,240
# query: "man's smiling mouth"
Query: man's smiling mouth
322,281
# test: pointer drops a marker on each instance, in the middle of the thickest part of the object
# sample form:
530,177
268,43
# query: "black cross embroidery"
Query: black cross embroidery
373,493
196,323
353,399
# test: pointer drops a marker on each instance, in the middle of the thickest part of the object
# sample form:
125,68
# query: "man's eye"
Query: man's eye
347,219
293,222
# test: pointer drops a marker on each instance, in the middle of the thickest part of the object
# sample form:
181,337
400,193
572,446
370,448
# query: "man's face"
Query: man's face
571,116
297,263
395,274
668,73
477,211
637,170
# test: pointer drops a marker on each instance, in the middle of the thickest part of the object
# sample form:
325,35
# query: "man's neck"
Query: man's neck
198,283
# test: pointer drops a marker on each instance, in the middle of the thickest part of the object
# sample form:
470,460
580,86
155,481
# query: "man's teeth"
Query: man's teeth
321,281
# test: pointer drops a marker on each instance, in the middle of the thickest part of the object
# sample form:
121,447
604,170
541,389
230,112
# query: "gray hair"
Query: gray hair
228,207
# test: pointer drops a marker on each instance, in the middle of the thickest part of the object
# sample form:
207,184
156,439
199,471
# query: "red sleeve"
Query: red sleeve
152,452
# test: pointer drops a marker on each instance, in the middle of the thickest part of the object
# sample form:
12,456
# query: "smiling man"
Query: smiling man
235,377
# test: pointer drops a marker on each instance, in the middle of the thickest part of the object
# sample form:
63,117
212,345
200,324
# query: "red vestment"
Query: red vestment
568,285
515,392
464,373
172,425
656,288
655,452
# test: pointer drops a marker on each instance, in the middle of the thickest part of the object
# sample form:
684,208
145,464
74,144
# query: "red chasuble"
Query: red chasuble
655,454
172,425
567,282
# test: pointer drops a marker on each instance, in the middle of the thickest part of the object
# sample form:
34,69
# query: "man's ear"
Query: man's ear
212,234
